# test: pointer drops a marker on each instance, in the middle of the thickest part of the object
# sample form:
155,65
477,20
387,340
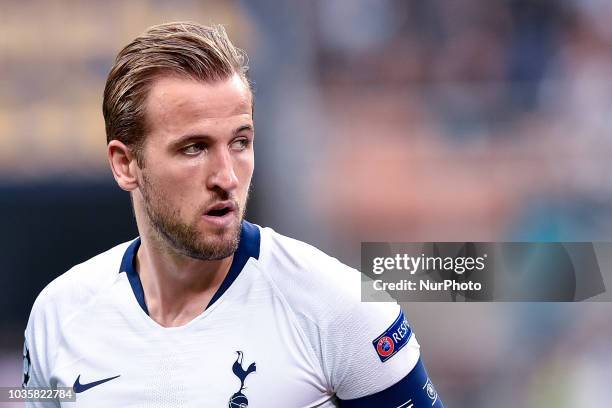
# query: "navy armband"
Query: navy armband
413,391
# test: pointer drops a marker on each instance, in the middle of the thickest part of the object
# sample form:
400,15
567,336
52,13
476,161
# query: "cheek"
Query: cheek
172,186
244,171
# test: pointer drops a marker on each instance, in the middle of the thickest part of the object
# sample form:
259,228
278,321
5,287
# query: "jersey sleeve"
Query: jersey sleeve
373,359
366,351
39,350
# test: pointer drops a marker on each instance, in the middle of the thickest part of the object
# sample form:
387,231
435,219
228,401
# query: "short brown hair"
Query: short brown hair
179,48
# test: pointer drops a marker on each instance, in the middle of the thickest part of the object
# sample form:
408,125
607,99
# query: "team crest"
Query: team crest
239,400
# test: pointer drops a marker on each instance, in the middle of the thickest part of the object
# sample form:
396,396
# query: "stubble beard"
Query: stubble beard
184,237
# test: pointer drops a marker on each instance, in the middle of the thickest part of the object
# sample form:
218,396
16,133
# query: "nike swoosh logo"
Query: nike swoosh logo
78,387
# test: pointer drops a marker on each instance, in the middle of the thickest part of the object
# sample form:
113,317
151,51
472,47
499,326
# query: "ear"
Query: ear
123,165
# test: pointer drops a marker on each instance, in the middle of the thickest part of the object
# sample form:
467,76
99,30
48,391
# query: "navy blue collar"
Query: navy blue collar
247,248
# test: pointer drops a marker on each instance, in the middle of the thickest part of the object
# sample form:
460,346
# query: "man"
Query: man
205,309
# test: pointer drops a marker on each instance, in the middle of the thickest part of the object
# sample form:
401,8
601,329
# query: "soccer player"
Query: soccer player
205,309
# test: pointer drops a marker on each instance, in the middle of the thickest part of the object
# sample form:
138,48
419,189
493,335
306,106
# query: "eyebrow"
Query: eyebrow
204,137
244,127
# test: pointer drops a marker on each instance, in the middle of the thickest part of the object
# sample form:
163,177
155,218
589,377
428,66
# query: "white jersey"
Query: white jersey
285,329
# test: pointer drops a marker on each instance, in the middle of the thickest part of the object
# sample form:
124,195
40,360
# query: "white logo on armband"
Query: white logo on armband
431,391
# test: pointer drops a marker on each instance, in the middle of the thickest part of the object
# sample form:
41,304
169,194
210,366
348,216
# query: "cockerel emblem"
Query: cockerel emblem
239,400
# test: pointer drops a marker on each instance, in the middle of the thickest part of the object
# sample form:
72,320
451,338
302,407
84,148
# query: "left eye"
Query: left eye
240,144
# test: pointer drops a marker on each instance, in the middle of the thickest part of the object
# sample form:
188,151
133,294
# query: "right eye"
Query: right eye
194,149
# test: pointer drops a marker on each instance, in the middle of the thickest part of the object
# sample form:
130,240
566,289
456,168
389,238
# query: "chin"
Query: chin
214,250
215,243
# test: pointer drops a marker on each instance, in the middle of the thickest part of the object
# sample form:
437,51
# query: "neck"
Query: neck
177,288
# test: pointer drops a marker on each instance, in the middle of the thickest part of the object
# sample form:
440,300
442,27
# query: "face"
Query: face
197,164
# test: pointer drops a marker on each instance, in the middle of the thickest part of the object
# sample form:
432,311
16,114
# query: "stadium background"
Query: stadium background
392,120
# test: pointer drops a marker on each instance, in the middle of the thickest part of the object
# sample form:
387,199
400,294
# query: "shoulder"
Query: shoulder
84,280
311,280
298,260
57,302
293,264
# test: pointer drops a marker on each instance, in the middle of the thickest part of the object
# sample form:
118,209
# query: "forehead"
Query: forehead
174,102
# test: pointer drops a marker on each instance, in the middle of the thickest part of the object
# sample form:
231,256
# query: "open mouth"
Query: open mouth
219,212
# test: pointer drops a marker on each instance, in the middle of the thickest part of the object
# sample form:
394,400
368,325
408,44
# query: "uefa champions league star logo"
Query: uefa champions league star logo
239,400
27,363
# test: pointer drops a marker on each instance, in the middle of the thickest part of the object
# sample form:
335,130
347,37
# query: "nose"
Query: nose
222,174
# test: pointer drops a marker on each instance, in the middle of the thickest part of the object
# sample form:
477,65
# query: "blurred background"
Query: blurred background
377,120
